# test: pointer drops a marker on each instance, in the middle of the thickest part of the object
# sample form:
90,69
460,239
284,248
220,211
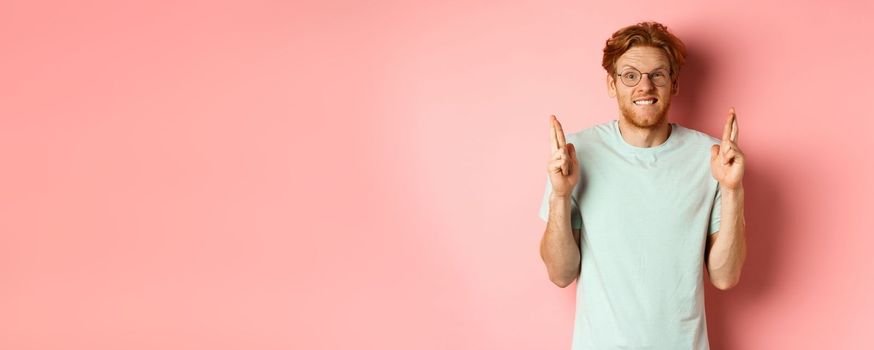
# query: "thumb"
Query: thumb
714,152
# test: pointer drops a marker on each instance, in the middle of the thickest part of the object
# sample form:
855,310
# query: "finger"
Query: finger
559,133
572,151
726,130
729,146
558,154
714,152
729,156
563,157
734,128
726,147
553,141
556,166
737,151
739,158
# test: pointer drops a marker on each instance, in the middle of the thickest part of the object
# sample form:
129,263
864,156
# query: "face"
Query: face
634,102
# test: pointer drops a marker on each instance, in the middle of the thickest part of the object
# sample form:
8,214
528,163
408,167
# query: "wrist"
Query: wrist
737,192
560,196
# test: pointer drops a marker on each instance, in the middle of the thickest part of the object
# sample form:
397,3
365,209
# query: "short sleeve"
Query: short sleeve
716,211
576,216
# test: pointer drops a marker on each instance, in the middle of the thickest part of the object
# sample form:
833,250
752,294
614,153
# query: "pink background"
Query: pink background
367,175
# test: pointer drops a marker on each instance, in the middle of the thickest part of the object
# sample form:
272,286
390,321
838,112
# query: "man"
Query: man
637,207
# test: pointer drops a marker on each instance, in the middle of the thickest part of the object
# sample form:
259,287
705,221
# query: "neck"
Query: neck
644,137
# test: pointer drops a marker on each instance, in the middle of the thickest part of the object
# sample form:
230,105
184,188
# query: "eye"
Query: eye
630,75
658,75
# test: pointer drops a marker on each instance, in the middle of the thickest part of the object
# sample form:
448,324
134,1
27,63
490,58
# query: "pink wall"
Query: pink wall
266,175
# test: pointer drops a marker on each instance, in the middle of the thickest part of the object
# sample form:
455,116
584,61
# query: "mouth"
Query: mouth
646,101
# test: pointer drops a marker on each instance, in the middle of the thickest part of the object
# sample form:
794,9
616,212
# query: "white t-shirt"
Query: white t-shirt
644,215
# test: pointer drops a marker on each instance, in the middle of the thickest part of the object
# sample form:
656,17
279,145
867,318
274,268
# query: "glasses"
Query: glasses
631,77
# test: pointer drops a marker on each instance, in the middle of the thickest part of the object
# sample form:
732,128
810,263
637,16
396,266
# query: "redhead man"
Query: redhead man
636,208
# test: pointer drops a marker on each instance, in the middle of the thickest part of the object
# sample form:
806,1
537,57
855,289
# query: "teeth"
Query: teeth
644,102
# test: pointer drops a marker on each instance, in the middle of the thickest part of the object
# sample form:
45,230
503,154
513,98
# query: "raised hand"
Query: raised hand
726,158
563,167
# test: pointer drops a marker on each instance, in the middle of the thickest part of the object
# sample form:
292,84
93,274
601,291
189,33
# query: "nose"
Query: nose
645,83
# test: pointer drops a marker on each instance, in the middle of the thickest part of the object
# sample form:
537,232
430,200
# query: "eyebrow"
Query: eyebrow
656,68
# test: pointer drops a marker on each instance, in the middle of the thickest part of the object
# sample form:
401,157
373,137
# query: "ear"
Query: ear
611,86
675,86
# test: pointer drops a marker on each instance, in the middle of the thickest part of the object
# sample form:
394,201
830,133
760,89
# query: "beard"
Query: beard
636,118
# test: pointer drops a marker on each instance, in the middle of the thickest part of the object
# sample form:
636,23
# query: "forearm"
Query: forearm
558,248
729,250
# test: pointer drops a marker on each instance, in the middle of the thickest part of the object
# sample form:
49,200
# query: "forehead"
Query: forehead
643,57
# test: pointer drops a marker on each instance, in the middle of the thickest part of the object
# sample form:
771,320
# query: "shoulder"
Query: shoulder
592,134
695,137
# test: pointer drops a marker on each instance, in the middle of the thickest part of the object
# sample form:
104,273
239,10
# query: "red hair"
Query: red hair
650,34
